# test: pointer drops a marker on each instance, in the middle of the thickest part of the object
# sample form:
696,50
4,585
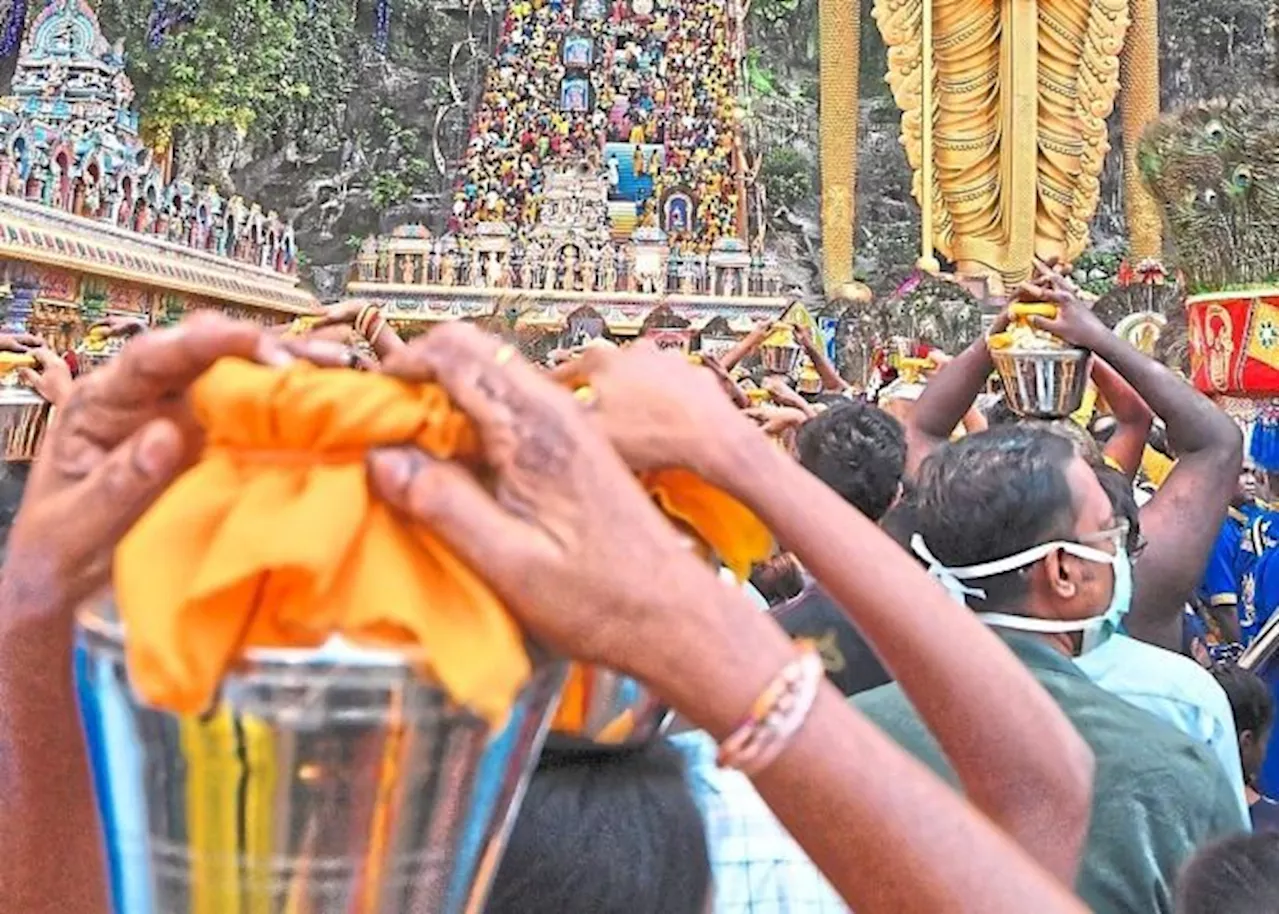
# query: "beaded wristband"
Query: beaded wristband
370,323
363,318
775,716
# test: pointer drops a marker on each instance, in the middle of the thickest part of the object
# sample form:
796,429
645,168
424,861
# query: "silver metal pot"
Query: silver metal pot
24,416
781,359
616,710
329,780
1043,383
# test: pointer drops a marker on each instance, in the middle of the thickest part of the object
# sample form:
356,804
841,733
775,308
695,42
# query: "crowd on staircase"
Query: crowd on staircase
661,73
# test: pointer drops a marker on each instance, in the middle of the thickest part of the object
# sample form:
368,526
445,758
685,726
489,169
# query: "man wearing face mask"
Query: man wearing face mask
1171,686
1015,524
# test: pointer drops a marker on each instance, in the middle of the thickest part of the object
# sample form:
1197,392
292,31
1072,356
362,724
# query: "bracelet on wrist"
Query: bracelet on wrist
776,716
366,322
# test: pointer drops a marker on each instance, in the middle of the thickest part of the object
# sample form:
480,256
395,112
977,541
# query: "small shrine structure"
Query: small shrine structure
569,258
91,226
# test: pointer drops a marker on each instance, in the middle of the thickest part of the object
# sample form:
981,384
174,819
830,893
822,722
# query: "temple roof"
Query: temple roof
67,73
69,142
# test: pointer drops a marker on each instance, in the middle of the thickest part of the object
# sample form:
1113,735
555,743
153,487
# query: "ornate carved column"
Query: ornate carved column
1139,106
838,137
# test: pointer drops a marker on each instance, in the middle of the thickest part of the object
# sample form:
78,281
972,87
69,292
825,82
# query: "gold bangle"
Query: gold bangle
374,329
365,319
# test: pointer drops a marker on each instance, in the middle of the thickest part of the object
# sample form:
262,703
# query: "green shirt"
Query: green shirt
1157,794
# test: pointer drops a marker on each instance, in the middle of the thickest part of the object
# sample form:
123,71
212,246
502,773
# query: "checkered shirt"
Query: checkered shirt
756,866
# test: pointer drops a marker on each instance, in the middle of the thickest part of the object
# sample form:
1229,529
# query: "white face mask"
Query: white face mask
1095,630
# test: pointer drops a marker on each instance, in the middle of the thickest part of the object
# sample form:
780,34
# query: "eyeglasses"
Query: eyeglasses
1134,542
1118,536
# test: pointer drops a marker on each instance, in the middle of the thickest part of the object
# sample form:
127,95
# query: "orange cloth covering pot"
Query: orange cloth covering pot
273,540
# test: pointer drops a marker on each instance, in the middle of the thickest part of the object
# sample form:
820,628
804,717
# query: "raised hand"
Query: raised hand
560,529
51,378
122,436
654,406
19,342
774,420
1075,322
343,314
116,326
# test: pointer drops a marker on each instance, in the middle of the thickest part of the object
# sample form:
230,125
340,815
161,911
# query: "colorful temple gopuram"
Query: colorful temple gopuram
604,167
90,225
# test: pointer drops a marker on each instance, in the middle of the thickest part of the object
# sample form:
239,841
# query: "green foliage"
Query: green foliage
787,177
786,27
773,11
1096,271
250,65
389,188
761,79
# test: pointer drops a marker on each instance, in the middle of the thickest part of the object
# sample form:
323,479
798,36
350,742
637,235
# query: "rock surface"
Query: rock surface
380,166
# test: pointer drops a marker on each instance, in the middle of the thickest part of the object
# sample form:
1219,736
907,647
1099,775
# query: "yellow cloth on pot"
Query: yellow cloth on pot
273,539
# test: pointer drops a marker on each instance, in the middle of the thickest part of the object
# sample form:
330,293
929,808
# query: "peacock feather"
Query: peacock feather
1213,170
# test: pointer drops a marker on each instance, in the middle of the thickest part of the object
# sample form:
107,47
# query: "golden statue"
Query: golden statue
1017,134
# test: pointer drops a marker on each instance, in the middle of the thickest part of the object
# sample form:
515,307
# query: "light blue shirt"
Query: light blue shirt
1175,689
756,866
747,588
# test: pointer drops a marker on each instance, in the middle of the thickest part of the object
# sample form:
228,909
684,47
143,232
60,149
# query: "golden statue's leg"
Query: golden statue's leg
838,137
1078,73
1060,142
969,135
1139,106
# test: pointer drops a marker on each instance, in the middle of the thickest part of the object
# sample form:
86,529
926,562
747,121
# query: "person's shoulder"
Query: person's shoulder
1140,749
1171,673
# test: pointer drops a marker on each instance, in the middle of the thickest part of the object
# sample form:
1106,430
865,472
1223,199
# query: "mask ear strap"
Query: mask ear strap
942,574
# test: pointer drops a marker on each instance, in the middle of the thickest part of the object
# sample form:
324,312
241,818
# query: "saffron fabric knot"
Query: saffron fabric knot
273,539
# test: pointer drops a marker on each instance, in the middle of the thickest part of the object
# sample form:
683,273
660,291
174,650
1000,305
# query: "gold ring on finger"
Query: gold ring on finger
504,354
587,396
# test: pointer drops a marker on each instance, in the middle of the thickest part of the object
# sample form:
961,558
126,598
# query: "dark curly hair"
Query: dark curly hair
1251,704
606,832
858,450
993,495
1234,875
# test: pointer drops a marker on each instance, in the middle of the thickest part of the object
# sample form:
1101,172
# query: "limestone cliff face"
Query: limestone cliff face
405,117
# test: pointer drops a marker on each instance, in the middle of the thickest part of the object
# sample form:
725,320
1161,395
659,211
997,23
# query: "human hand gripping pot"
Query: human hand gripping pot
123,435
564,529
1074,323
670,404
563,533
930,643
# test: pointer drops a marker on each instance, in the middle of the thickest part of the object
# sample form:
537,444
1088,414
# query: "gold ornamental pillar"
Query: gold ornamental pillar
1139,106
838,137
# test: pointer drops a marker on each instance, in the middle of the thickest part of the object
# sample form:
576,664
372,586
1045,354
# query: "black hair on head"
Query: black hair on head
1251,703
992,495
1236,875
606,832
858,450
